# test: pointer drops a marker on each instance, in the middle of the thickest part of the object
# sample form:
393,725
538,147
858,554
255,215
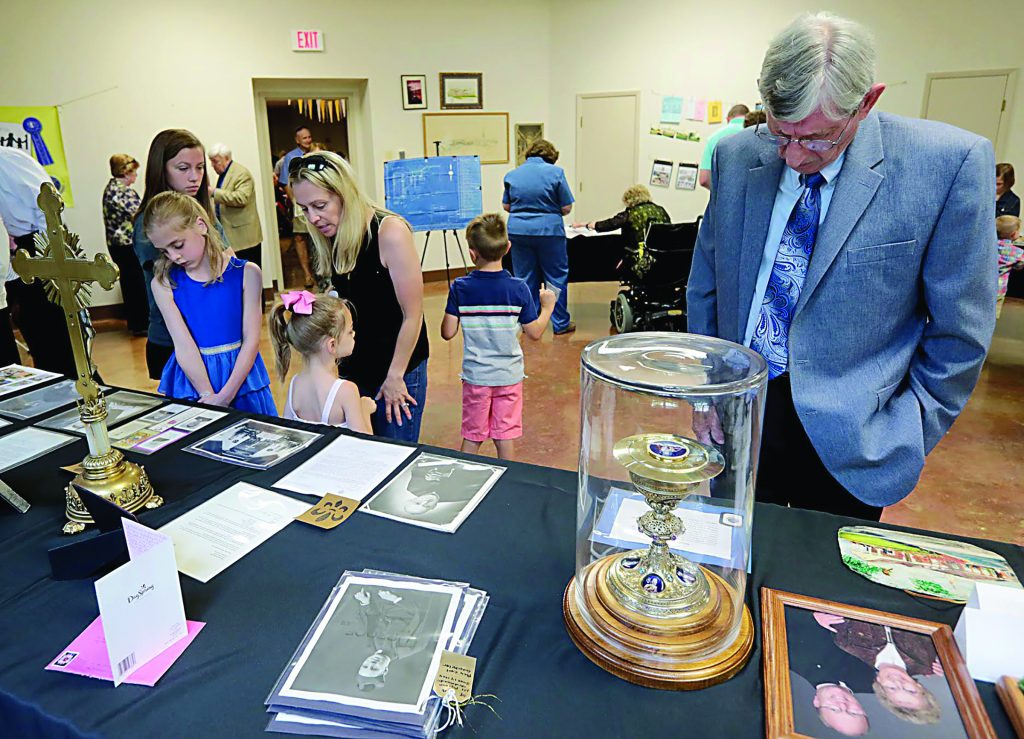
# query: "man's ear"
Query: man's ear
871,98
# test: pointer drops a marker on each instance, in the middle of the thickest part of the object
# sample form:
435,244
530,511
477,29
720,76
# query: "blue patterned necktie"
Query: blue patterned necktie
771,334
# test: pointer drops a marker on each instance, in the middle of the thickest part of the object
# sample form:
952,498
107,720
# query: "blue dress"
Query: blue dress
213,314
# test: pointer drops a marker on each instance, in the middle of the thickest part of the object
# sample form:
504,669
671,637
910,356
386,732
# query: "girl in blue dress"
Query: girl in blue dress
211,303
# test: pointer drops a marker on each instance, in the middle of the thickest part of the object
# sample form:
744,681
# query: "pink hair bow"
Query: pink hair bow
299,301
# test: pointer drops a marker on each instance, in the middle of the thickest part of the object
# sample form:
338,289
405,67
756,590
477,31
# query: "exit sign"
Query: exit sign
307,40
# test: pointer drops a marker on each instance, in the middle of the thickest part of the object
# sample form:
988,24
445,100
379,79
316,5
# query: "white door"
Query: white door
975,101
606,152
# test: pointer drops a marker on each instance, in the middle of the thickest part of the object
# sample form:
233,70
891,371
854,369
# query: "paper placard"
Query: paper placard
140,602
332,510
988,632
455,672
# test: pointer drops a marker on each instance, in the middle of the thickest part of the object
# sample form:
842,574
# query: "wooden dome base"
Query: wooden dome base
656,652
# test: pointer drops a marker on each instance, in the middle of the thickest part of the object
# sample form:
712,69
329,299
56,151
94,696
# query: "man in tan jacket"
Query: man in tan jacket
234,197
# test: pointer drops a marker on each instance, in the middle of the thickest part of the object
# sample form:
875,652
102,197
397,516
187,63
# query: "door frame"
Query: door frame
1005,121
580,97
355,91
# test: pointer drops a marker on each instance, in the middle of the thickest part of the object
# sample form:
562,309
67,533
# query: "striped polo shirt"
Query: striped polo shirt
491,306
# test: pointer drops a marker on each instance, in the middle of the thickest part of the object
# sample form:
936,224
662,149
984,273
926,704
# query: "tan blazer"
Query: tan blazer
237,201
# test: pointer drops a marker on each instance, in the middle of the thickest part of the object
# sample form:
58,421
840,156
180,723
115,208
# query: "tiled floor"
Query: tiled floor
971,485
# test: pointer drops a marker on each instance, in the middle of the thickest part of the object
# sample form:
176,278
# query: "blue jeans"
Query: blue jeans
416,383
534,256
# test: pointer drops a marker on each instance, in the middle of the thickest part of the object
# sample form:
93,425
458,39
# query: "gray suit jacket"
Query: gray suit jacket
237,200
898,307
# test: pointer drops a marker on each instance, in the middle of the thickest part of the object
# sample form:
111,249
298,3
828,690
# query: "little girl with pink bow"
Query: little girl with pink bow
320,328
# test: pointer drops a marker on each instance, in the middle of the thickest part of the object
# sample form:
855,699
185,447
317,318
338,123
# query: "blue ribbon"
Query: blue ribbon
34,129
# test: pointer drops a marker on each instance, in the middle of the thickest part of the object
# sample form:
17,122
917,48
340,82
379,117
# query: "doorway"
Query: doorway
336,112
607,152
978,101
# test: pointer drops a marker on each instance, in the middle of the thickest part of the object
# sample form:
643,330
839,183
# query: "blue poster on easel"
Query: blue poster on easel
434,193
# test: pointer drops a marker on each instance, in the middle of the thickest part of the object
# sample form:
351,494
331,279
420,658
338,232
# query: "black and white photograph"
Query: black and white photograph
40,401
377,645
855,678
254,444
435,492
120,407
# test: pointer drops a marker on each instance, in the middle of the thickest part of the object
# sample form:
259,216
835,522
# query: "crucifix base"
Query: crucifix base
112,477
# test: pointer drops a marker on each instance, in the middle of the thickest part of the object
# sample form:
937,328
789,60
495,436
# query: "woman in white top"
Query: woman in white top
320,328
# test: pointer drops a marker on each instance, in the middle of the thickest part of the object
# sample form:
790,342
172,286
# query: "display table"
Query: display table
592,258
518,545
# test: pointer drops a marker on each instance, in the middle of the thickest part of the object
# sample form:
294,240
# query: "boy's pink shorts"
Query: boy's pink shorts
492,412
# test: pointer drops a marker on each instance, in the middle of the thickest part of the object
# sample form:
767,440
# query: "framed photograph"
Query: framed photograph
375,646
1011,695
38,402
462,90
837,670
686,176
252,443
526,134
661,173
414,92
121,406
435,492
467,134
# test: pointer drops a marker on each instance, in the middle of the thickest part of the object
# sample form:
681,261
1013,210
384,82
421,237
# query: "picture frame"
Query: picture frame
467,134
462,90
686,176
661,173
818,655
414,92
525,135
1011,694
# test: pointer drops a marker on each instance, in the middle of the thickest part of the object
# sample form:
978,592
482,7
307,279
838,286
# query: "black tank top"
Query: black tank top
378,317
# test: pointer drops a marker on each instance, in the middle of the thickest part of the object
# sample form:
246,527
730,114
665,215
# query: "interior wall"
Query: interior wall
705,50
122,71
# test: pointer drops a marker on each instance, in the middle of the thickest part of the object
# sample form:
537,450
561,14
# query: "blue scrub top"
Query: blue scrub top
536,193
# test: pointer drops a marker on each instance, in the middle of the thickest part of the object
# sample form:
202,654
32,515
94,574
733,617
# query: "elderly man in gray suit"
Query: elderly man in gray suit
234,198
854,250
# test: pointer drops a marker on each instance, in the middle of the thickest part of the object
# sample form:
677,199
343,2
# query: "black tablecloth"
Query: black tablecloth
591,258
518,545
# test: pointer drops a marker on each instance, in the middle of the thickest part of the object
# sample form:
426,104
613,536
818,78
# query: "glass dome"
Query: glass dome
670,431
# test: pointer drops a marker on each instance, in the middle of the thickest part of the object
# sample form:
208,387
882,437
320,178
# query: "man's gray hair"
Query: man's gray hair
219,150
818,60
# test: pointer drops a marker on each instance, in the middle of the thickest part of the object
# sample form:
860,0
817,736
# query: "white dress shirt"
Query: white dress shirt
788,194
20,178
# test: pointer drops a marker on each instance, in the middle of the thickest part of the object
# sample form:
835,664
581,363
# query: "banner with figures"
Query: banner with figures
35,130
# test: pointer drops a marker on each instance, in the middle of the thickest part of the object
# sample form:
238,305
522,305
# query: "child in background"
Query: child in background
1010,256
320,328
211,303
491,304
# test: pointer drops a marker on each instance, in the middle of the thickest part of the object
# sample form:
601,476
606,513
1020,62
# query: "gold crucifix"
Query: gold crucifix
67,276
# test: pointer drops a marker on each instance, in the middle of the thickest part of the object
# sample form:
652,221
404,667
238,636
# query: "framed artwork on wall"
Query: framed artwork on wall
414,91
526,134
835,669
466,134
462,90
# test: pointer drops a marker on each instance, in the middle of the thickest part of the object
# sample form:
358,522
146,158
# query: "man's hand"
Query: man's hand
707,426
828,621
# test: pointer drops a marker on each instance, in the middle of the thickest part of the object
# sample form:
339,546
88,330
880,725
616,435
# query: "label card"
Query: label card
331,511
455,672
140,602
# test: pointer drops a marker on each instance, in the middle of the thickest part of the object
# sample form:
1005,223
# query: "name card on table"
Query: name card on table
989,632
140,602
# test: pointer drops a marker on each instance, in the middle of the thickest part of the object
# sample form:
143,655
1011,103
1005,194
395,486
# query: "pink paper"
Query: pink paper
87,656
700,110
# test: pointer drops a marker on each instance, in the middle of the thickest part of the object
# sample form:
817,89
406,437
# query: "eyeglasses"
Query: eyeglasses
312,162
847,711
815,145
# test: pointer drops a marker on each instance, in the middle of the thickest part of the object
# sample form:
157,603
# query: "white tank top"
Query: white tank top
325,413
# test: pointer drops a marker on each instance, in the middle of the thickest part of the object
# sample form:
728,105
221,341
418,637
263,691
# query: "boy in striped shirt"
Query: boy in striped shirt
491,305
